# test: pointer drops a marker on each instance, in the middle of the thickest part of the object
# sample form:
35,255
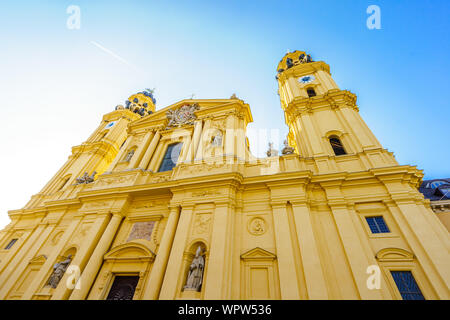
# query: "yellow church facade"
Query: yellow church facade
171,204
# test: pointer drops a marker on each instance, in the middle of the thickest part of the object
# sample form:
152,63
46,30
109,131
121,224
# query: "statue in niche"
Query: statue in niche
58,272
129,155
216,140
195,276
287,149
85,178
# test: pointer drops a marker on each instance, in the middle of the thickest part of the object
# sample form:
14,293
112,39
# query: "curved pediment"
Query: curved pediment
39,259
394,254
135,250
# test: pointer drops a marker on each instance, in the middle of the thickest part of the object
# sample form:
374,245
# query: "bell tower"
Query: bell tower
323,120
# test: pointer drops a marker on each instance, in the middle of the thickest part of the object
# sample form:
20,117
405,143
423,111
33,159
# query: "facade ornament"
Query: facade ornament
120,107
58,272
182,116
287,148
271,152
195,276
233,96
85,178
129,155
257,226
217,139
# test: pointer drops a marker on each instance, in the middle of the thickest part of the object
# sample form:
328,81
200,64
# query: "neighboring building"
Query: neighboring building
170,204
438,192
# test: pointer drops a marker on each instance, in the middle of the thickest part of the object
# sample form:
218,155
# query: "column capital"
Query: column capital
276,204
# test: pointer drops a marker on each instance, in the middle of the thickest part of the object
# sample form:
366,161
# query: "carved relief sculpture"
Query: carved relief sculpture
142,230
195,276
58,272
85,178
183,115
257,226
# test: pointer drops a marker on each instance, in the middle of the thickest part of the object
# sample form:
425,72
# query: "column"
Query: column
157,157
313,137
95,261
285,253
48,265
10,279
138,154
119,155
185,149
153,285
149,152
215,280
230,136
431,251
172,276
195,140
356,255
82,255
203,140
240,143
312,268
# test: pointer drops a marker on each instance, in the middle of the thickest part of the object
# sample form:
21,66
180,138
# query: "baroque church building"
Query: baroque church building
171,204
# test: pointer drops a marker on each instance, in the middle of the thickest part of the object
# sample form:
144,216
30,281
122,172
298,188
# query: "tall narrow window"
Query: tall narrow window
337,146
171,157
311,92
64,183
10,244
407,285
123,288
377,224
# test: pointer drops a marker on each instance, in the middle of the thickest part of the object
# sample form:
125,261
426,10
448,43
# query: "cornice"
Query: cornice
303,69
334,99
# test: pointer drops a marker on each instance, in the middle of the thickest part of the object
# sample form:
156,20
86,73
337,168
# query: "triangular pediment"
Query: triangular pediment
258,254
159,117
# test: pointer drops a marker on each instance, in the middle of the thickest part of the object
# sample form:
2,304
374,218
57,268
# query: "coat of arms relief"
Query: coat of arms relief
182,116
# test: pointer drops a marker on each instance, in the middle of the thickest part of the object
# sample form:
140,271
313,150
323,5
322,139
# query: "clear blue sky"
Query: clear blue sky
56,83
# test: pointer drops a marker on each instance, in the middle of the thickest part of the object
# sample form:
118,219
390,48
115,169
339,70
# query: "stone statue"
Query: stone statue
195,276
129,155
85,178
58,272
233,96
217,140
271,152
287,148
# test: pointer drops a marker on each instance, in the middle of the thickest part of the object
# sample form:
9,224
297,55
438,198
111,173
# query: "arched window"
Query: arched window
171,157
337,146
311,92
